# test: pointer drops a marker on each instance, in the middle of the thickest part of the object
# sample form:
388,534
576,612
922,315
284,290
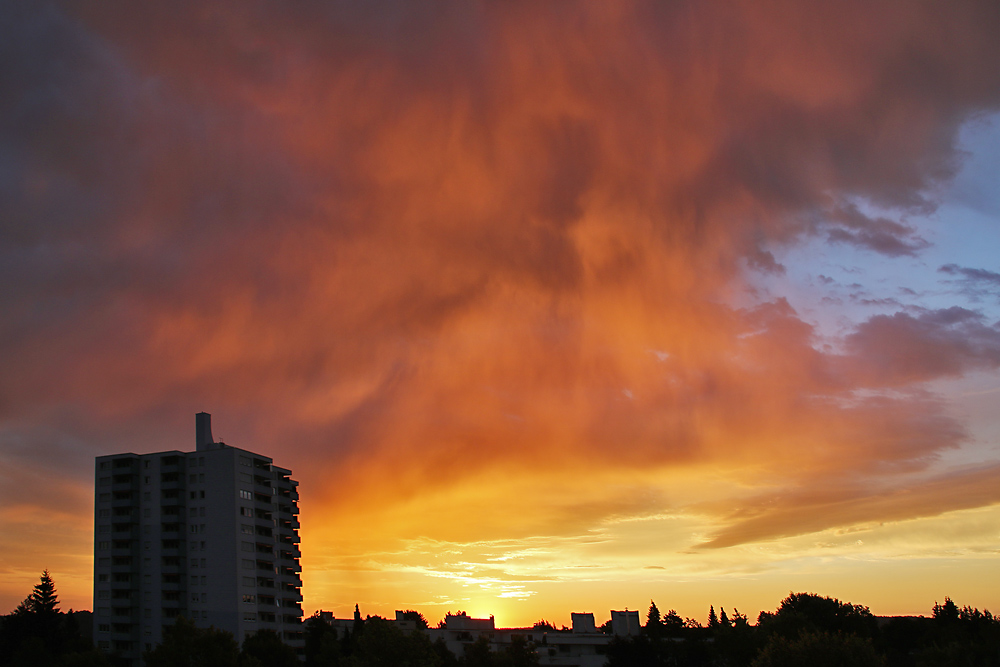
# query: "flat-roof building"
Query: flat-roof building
210,534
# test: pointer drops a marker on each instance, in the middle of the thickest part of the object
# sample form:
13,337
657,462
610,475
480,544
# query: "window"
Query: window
103,514
146,496
194,580
246,495
103,465
145,479
194,562
104,627
201,494
203,545
145,464
250,599
248,617
203,580
201,477
201,511
194,511
248,530
194,597
246,511
248,546
104,497
194,494
249,581
201,460
203,562
245,461
104,481
192,478
248,564
103,529
103,595
102,577
103,545
194,545
145,513
246,477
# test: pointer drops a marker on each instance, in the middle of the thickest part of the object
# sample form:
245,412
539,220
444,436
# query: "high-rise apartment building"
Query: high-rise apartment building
210,534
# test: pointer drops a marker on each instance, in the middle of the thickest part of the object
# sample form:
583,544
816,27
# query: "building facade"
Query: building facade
211,535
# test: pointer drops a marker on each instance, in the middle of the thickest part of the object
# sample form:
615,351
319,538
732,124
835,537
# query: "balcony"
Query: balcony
289,552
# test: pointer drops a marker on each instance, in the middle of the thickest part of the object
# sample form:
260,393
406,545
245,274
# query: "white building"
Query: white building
210,534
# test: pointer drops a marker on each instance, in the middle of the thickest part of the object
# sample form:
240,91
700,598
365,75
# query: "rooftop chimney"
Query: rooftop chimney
203,430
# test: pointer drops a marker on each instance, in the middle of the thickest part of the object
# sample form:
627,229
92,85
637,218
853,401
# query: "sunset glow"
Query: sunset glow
550,307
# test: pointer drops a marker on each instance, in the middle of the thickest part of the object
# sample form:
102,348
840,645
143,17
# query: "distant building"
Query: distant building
625,623
210,534
583,646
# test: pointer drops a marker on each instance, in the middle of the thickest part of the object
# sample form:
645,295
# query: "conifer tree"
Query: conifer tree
723,619
43,599
713,619
653,617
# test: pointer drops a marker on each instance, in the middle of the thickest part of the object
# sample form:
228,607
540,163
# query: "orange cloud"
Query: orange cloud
483,274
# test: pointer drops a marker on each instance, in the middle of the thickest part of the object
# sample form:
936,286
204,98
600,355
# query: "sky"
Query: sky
550,307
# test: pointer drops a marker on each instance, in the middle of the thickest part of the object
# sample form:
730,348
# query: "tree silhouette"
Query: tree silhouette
713,619
189,646
264,648
44,599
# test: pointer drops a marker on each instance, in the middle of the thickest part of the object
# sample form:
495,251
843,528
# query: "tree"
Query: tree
819,650
44,599
264,648
185,645
808,612
322,646
653,616
713,619
654,623
383,644
37,633
417,617
672,623
519,653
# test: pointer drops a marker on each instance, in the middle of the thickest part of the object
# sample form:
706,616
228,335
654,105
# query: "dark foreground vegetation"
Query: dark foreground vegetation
805,630
814,631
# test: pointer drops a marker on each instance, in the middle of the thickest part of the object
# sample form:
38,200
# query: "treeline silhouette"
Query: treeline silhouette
805,629
814,631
